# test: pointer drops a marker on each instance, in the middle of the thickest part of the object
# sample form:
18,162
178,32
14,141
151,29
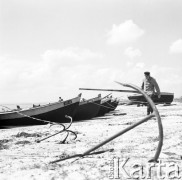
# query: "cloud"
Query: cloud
140,65
124,33
135,67
45,79
176,47
39,83
132,53
55,73
71,55
129,63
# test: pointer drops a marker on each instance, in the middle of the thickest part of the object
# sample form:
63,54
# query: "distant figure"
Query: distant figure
149,85
18,107
60,99
3,110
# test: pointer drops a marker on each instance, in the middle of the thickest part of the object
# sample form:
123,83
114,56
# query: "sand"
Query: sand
21,157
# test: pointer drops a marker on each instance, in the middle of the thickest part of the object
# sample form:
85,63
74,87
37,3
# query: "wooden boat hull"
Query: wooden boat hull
166,98
104,107
114,104
87,109
110,106
54,112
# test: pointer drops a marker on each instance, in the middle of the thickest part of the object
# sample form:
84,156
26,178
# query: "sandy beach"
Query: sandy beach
21,157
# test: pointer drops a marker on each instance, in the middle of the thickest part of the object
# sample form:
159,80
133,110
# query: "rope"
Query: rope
42,120
65,129
18,112
111,106
103,105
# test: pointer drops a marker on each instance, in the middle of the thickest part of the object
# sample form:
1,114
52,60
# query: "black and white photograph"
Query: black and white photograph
90,89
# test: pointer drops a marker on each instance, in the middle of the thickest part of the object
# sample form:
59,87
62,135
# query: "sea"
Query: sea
9,107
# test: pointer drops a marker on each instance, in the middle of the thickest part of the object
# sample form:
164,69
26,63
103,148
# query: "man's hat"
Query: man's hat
147,73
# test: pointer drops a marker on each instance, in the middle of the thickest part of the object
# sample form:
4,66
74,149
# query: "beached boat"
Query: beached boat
87,109
166,98
104,106
114,104
54,112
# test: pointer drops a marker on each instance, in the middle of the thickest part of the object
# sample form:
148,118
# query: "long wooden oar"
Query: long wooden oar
115,90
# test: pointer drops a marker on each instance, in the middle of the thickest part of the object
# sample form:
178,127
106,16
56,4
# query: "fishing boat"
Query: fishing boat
166,98
87,109
104,106
114,104
38,115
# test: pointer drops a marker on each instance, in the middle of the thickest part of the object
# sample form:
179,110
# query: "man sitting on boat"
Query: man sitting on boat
149,85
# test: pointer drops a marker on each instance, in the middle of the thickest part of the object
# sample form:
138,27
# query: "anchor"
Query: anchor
154,114
65,129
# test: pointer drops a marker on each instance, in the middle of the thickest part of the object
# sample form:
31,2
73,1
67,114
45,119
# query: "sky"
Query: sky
51,48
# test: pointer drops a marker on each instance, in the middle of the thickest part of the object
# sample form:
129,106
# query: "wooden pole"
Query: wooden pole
115,90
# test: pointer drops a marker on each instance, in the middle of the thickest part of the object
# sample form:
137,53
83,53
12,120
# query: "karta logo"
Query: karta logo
122,169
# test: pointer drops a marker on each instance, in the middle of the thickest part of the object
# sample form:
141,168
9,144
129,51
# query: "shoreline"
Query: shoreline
22,158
